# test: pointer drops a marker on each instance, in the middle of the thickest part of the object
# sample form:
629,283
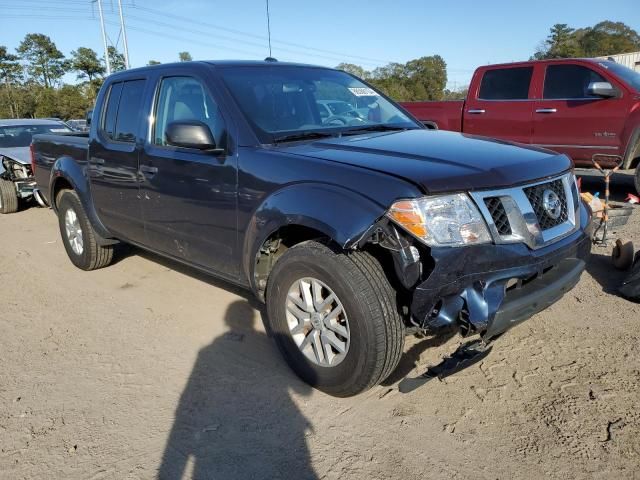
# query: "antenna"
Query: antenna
269,27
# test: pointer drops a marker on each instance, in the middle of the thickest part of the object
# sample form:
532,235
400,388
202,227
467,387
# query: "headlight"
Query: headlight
447,220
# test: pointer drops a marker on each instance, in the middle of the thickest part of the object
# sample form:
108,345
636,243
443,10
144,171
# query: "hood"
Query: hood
20,154
440,161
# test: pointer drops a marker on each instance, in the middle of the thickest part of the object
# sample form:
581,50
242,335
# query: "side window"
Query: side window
569,81
506,84
184,98
120,120
108,125
129,111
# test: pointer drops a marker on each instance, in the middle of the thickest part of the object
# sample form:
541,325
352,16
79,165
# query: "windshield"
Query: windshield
283,101
630,77
20,135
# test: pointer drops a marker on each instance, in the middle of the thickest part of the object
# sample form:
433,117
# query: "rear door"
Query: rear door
500,107
113,162
189,196
567,119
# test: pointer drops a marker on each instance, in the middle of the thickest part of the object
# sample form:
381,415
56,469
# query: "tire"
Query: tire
636,179
86,253
8,197
375,329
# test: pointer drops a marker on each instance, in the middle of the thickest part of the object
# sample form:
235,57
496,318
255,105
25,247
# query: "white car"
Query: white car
16,177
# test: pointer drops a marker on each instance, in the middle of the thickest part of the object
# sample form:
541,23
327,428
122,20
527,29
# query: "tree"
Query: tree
604,38
116,59
45,63
85,61
185,57
356,70
560,43
10,73
153,62
608,38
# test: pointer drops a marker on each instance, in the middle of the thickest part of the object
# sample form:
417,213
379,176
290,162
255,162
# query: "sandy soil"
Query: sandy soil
144,369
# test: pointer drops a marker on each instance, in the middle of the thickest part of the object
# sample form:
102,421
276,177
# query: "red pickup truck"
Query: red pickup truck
580,107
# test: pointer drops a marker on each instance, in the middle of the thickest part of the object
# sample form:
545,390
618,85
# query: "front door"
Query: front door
189,196
501,108
113,165
567,119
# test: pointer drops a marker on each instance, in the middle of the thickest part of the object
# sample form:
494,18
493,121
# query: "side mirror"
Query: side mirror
89,116
602,89
191,134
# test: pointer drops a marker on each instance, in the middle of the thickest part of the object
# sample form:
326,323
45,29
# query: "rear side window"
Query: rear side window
109,119
569,81
122,114
506,84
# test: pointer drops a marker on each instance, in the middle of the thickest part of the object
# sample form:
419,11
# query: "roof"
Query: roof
223,63
547,60
14,122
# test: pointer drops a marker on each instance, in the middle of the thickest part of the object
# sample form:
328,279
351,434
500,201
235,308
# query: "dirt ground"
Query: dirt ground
145,370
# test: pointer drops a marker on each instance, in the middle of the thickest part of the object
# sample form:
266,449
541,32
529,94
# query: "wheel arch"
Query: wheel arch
303,212
68,174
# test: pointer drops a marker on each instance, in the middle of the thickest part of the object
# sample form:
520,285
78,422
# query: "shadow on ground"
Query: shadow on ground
236,418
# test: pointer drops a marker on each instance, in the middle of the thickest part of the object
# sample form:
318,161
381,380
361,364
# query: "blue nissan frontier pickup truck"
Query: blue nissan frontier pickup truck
333,205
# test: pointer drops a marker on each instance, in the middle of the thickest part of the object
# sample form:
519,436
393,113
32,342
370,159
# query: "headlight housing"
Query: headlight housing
443,220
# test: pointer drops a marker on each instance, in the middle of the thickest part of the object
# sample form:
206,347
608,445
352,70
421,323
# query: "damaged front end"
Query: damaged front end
487,288
20,174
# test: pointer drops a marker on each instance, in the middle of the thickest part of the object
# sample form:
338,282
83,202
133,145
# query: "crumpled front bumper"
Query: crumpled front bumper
490,288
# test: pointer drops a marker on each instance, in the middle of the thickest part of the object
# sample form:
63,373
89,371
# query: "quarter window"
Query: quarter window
569,81
122,113
184,98
506,84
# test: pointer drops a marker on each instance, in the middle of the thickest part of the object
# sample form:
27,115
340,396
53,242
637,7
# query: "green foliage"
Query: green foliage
459,94
185,57
153,62
116,59
85,61
420,79
45,63
604,38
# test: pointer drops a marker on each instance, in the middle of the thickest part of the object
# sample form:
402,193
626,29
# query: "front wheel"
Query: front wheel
334,317
636,179
78,236
8,197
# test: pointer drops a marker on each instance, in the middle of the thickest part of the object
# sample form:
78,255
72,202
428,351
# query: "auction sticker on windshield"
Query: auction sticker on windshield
363,92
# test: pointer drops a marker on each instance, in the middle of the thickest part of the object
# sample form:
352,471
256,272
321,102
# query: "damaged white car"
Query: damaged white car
16,174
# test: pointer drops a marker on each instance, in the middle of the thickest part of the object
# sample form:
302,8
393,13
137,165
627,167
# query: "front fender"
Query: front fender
68,170
340,214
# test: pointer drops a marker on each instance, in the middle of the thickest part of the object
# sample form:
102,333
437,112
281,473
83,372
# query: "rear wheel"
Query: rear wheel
78,236
8,197
636,179
334,317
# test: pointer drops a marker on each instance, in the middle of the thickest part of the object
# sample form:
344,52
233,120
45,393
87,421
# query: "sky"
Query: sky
370,33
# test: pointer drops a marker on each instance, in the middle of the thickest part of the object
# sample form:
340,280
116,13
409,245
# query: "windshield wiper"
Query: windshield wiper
374,128
302,136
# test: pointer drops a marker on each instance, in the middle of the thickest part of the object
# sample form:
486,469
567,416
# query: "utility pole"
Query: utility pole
124,36
104,38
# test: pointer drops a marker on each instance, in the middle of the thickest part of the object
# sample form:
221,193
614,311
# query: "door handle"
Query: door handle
150,171
477,111
546,110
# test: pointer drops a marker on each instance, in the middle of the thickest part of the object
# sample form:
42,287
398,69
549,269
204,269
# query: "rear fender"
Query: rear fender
67,170
339,214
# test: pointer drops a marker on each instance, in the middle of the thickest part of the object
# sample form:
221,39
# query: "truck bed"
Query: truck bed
441,115
52,147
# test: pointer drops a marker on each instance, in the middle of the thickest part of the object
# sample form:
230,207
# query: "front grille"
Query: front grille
499,215
535,195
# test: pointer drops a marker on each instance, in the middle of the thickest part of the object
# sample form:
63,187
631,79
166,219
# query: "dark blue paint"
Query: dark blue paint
215,211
